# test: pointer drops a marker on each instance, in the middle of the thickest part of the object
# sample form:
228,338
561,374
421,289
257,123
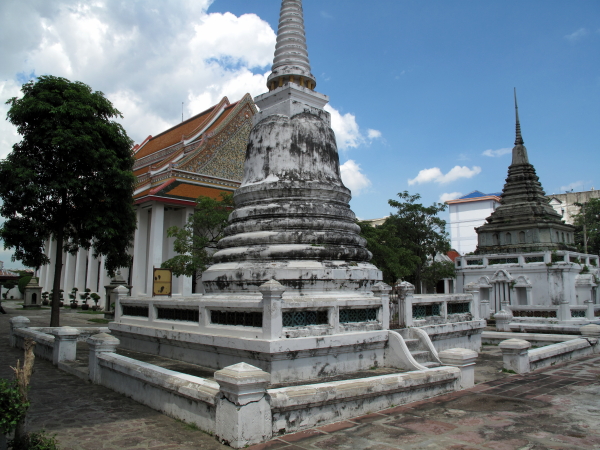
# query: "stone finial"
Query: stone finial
33,282
16,322
65,344
381,288
464,359
291,52
518,138
515,344
272,288
242,383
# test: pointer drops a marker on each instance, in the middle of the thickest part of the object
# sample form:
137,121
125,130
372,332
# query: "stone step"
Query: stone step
430,364
420,355
412,344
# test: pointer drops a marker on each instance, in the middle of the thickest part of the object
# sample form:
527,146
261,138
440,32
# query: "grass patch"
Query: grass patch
89,311
508,370
99,320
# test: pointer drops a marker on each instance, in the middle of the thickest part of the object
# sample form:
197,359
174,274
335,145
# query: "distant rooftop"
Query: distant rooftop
476,194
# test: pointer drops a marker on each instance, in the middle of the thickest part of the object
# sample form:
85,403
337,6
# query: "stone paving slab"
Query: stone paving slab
555,408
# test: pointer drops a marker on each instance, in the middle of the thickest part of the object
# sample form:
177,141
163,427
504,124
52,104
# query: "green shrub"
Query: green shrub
35,441
23,282
12,407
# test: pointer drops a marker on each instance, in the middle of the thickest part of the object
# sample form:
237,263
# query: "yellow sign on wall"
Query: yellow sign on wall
163,281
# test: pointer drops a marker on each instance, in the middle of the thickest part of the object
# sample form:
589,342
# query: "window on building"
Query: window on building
495,239
508,238
522,237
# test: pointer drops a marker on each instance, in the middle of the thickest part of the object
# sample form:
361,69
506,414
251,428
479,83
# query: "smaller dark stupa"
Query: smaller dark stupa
524,222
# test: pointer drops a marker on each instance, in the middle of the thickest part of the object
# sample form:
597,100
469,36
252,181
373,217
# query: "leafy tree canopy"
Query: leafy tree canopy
70,177
589,215
197,240
405,246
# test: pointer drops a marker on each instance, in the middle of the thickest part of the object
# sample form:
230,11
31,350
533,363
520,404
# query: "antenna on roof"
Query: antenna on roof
182,111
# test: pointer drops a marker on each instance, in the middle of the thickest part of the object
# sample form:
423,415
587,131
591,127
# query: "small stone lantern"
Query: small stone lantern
33,294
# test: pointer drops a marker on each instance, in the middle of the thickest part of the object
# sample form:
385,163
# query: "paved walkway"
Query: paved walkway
557,408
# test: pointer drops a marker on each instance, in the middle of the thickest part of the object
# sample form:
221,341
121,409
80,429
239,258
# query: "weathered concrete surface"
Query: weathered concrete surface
551,408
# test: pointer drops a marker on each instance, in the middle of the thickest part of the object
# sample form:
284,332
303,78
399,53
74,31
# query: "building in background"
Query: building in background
466,214
565,204
201,156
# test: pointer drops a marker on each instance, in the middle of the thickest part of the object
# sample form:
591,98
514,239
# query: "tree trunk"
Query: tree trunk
55,315
23,377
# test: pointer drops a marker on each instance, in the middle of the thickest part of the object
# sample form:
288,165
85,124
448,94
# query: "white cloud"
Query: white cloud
575,186
495,153
435,175
373,134
576,35
346,129
449,196
353,178
8,133
147,57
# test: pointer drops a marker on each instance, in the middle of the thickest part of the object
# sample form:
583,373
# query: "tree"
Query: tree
197,240
70,178
405,246
588,217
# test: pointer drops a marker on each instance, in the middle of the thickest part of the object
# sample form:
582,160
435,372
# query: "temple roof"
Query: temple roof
203,155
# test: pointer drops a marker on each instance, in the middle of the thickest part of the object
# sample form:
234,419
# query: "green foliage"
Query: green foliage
8,285
405,246
23,282
69,177
12,406
95,297
389,255
197,240
589,214
35,441
85,296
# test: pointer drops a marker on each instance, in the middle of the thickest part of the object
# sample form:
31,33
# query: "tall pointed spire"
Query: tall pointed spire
291,63
519,138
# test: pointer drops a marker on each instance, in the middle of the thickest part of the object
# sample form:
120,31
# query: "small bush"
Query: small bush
23,281
12,407
36,441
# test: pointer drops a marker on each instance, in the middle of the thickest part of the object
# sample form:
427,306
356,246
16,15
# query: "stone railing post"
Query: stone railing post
473,289
382,291
119,293
16,322
406,292
464,359
99,343
65,344
515,355
272,292
589,312
243,411
564,311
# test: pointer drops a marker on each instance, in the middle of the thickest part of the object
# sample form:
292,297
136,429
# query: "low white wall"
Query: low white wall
184,397
537,339
562,351
44,347
299,407
456,335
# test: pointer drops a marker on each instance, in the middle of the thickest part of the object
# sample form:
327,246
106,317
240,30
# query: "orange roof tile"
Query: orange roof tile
173,135
193,191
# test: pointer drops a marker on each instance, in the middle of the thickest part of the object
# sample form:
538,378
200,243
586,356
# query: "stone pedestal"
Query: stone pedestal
464,359
589,312
564,311
243,412
65,344
382,291
99,343
16,322
503,319
590,330
515,355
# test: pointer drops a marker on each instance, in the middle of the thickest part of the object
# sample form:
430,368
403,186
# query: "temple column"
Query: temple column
140,248
186,282
80,269
92,273
69,280
155,247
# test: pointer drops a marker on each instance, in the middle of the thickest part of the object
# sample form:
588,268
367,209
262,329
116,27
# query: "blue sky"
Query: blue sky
420,90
